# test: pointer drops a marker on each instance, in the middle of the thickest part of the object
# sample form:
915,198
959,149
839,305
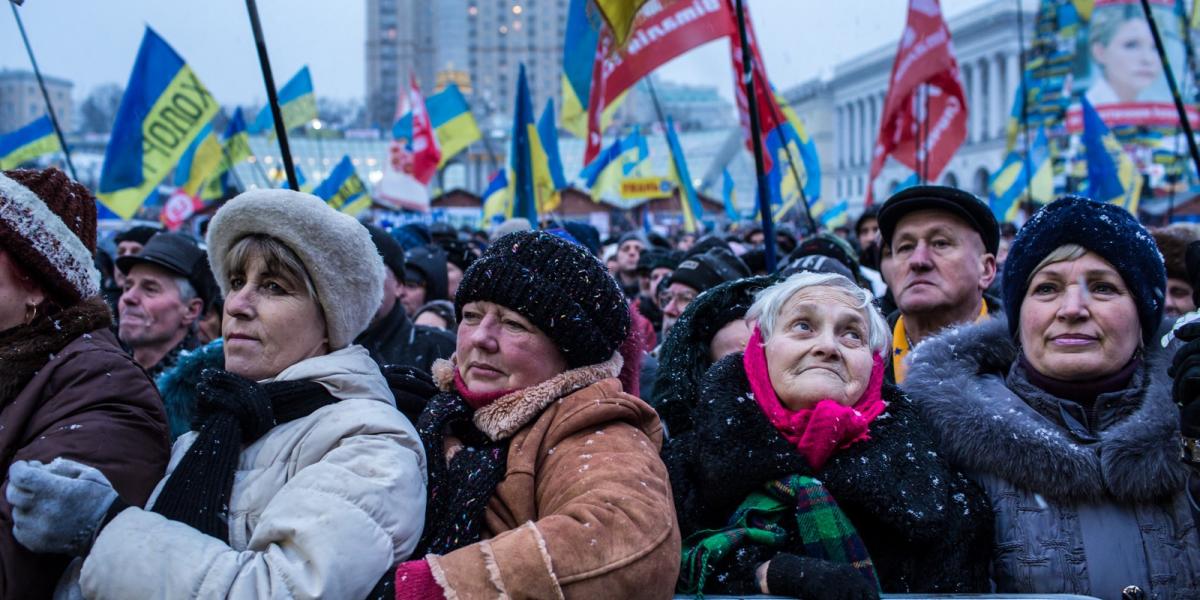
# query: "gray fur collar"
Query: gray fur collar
509,413
958,381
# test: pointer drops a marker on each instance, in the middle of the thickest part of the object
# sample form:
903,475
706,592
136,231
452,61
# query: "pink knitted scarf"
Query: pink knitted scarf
827,426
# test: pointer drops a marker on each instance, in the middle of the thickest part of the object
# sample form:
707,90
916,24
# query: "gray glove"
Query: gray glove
58,507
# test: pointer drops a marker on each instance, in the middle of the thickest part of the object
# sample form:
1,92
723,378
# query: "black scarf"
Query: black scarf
459,488
25,349
198,491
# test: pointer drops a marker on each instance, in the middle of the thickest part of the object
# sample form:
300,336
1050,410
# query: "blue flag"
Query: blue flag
29,142
164,110
1112,176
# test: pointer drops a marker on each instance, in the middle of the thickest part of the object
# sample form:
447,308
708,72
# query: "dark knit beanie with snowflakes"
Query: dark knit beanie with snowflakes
1105,229
556,284
48,226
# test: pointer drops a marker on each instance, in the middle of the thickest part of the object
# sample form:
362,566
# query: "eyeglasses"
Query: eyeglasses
682,299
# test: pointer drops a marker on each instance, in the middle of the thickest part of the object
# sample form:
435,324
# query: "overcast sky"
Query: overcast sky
92,42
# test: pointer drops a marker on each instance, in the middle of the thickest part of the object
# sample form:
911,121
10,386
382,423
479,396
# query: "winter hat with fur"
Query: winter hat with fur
48,225
335,249
556,284
1103,228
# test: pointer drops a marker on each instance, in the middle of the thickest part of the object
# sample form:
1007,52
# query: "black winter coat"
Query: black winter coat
396,340
926,526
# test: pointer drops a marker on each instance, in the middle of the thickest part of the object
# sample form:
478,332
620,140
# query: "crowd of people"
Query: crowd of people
300,405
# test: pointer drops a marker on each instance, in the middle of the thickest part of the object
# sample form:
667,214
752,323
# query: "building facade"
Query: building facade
476,44
842,112
21,100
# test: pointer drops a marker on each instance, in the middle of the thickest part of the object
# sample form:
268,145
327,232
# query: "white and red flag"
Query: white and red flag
426,154
924,118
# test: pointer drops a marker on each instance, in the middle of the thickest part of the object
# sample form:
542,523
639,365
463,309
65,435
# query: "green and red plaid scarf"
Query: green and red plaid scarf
824,530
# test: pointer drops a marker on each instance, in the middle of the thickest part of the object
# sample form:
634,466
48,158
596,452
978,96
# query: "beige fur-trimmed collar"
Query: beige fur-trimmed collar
511,412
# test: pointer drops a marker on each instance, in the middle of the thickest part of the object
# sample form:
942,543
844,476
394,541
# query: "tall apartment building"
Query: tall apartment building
477,44
21,101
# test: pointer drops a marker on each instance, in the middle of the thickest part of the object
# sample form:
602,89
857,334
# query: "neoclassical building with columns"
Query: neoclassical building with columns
842,111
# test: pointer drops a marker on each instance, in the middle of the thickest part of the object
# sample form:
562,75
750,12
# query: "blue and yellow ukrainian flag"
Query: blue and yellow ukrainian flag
235,149
548,132
280,176
790,143
164,110
237,139
496,198
692,210
343,190
297,101
1009,184
452,120
527,159
836,215
604,174
199,162
1112,175
579,53
729,196
27,143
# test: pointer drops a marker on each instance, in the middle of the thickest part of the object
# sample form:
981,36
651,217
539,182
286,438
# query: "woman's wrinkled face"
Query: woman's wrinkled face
1079,321
17,293
819,349
271,322
500,350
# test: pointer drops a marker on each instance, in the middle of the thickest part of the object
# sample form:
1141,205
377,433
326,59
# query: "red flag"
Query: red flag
925,56
769,115
425,151
662,31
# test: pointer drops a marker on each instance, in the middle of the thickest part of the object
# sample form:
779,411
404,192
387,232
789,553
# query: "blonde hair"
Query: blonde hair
278,259
1062,253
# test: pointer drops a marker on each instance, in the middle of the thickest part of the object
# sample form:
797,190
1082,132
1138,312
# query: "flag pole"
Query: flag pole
62,139
764,200
1162,56
264,62
1024,103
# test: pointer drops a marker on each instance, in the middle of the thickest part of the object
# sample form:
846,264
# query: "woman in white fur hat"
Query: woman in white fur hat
300,478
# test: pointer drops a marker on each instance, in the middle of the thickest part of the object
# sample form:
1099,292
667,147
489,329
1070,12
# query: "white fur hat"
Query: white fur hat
336,249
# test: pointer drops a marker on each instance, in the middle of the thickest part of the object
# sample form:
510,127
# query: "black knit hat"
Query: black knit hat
390,249
1105,229
556,284
657,258
427,265
965,205
704,271
458,253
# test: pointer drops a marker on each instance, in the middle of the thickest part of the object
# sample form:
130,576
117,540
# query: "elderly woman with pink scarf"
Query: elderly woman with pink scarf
806,475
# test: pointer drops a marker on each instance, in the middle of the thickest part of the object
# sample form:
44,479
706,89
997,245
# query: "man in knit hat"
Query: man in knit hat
426,277
938,258
392,338
167,287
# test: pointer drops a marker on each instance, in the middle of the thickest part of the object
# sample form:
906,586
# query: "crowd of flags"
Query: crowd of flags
165,127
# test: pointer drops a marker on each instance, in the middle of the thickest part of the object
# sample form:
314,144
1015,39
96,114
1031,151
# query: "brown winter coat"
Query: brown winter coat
584,509
92,404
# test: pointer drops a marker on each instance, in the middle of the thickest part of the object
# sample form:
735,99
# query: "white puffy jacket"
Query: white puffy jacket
321,506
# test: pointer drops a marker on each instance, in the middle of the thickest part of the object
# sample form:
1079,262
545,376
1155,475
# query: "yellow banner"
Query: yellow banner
639,188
